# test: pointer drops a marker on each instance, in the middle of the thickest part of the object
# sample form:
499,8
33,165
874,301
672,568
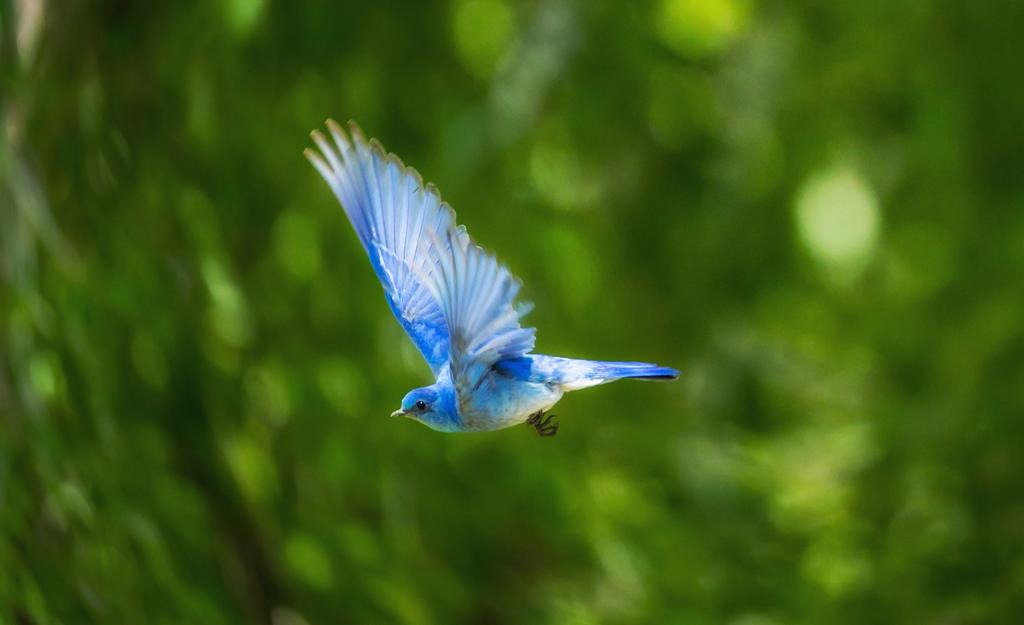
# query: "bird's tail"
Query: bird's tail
584,373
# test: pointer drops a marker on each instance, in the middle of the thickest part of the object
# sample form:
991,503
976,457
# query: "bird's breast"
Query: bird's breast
502,402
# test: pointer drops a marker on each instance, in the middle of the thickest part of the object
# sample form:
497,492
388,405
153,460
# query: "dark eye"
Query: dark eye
421,405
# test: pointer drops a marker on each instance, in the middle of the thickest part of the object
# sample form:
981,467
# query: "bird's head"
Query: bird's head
430,405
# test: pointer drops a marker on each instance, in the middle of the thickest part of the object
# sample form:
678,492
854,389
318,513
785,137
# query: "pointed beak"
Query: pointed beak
398,413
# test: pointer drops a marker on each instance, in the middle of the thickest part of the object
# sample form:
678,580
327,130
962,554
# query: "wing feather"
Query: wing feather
456,301
477,295
389,209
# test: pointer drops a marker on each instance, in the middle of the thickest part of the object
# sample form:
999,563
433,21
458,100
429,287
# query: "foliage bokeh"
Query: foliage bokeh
815,210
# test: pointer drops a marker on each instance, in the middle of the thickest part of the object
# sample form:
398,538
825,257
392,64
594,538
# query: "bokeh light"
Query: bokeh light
243,15
838,219
482,30
698,28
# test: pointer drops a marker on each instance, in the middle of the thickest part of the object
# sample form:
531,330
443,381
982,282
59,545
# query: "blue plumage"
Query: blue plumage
455,301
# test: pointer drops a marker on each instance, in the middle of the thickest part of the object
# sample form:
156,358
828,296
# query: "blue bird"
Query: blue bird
456,302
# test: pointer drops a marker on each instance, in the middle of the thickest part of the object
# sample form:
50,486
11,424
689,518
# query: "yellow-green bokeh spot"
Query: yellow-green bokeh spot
45,375
699,28
401,600
560,176
69,503
228,314
809,472
252,467
267,395
296,244
306,560
836,565
838,220
243,15
481,31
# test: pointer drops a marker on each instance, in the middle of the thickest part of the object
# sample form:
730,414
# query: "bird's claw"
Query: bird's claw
543,423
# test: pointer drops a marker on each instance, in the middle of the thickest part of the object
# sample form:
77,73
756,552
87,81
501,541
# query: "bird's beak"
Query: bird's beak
398,413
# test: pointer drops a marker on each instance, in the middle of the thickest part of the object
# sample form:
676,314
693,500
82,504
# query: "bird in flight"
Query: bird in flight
455,301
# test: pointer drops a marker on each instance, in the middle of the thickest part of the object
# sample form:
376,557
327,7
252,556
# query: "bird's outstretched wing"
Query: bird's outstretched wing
391,211
454,299
477,296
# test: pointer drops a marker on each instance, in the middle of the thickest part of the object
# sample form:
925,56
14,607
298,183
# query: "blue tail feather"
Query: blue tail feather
572,374
640,370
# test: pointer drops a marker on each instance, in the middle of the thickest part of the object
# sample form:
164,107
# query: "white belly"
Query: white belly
506,403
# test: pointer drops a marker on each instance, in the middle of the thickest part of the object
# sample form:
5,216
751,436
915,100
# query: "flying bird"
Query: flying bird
455,301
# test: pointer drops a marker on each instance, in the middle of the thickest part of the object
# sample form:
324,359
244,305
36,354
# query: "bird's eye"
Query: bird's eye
421,405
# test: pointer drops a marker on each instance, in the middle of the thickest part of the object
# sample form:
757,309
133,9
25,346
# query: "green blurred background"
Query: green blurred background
814,209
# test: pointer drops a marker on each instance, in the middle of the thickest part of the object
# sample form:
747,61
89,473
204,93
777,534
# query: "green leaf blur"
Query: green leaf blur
815,210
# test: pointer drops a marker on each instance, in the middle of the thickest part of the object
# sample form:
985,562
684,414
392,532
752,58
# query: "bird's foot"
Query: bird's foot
543,423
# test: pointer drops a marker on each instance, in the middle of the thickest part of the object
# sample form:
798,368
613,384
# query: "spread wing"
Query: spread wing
391,212
477,296
456,301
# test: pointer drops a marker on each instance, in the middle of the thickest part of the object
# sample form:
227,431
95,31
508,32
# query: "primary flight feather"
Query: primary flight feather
455,301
